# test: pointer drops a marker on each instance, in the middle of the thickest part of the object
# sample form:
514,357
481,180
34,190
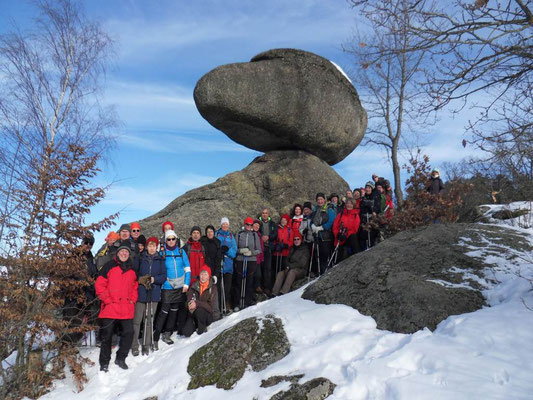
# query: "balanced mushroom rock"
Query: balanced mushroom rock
284,99
276,180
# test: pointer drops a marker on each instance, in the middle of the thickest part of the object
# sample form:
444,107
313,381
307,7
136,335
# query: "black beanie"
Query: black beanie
141,240
209,227
196,228
308,205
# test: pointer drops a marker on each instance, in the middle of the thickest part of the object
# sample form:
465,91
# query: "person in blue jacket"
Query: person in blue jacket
322,222
229,251
152,274
174,290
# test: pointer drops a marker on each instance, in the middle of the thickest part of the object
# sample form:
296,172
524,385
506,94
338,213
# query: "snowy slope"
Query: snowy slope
482,355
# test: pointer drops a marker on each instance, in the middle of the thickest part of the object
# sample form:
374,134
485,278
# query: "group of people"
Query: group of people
165,285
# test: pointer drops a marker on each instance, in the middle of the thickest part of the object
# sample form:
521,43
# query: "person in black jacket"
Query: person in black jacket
435,185
213,258
370,206
152,274
269,234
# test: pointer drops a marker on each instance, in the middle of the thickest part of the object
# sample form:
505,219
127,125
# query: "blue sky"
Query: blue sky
164,146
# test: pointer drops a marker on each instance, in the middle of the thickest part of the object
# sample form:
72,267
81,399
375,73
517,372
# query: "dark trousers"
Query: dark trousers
350,246
172,301
367,239
106,333
280,262
249,283
266,268
325,250
199,320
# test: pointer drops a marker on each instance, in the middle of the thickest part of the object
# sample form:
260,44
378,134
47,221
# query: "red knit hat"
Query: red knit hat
248,220
135,225
205,267
286,216
167,223
112,236
152,239
297,234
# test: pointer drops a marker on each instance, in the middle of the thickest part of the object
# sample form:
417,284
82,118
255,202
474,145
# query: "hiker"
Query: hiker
248,248
152,274
296,217
213,259
296,268
322,221
116,287
260,258
435,185
269,232
174,290
108,250
345,229
196,252
229,251
282,244
201,299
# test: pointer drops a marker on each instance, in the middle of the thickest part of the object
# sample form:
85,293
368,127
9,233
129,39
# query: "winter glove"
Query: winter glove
224,249
246,252
256,252
316,229
341,237
215,279
146,281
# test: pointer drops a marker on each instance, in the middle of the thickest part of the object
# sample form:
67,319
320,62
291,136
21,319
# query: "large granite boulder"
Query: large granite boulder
253,342
284,99
415,279
275,180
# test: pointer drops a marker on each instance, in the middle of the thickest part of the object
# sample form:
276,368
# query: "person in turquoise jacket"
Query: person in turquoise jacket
229,251
174,290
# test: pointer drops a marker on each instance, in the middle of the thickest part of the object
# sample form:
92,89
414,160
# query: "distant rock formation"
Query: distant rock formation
284,99
415,279
275,180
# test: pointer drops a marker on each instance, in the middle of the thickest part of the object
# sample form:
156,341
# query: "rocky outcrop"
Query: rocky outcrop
284,99
415,279
315,389
275,180
252,342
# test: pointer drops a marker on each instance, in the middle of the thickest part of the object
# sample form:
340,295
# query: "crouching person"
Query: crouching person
116,287
152,274
297,264
201,300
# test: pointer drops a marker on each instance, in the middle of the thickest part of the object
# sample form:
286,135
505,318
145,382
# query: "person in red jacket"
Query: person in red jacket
196,252
283,243
116,287
345,228
297,217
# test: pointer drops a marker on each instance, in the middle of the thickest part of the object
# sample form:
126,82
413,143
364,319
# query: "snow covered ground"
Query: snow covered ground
487,354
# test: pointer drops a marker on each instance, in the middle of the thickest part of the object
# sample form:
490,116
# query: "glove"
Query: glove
224,249
316,229
246,252
146,281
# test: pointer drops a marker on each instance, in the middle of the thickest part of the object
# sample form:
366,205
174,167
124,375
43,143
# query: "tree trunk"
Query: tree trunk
397,182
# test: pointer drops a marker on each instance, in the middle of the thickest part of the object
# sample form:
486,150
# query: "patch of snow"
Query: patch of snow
341,71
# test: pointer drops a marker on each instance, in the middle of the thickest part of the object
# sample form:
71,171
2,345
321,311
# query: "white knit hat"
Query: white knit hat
170,233
224,219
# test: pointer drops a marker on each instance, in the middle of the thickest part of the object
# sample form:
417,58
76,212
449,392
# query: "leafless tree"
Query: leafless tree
54,132
389,75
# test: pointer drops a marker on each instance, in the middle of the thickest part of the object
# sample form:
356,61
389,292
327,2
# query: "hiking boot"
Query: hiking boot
259,290
135,352
166,338
121,363
104,367
155,346
145,350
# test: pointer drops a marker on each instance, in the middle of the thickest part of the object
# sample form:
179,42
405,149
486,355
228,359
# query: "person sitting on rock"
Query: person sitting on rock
173,293
283,243
229,251
345,229
201,299
116,287
196,252
248,248
297,265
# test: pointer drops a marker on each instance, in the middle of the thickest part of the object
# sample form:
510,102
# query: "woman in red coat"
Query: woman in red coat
297,217
116,287
283,243
345,228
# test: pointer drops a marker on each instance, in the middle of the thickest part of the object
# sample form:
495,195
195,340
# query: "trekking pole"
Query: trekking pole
222,289
243,283
145,325
318,255
333,255
368,231
311,261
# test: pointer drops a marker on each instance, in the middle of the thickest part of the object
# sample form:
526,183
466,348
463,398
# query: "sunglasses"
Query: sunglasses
248,224
135,230
171,239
